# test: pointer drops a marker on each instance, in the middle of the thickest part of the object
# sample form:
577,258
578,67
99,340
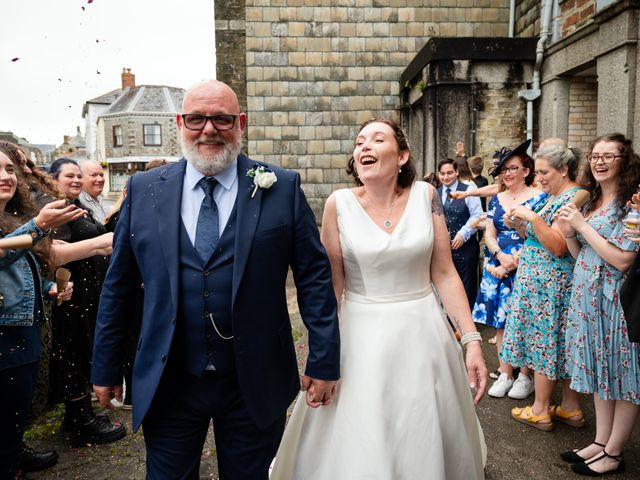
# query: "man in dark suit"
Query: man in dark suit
212,238
460,215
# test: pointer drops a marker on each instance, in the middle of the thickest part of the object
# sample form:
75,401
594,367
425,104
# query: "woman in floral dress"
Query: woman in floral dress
601,359
516,172
536,321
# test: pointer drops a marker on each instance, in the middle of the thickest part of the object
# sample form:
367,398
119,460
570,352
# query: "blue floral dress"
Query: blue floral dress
493,296
600,357
534,334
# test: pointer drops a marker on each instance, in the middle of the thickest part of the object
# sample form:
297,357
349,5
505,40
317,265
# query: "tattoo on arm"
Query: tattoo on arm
456,324
436,203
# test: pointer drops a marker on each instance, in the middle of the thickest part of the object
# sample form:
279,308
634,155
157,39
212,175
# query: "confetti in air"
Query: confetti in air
15,59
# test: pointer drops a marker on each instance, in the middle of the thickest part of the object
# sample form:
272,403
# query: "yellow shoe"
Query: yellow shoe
525,415
565,417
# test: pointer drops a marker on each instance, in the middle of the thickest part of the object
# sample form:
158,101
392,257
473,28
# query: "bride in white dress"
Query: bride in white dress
403,408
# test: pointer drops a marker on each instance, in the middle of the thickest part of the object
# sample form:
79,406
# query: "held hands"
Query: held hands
476,370
569,219
105,394
633,234
55,214
499,272
319,392
64,295
519,214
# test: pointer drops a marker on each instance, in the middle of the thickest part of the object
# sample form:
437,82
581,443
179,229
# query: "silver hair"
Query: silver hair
559,156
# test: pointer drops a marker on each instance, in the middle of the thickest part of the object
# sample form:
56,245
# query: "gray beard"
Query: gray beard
212,164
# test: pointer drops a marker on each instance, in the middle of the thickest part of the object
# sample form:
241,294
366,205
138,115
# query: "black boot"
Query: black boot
89,428
30,460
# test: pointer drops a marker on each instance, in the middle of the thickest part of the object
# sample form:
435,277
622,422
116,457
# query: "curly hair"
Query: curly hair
18,211
407,173
628,176
38,182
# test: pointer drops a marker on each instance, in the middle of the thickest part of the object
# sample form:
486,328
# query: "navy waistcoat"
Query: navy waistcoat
205,289
456,215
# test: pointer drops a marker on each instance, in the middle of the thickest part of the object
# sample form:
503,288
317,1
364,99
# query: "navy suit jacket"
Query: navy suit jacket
275,230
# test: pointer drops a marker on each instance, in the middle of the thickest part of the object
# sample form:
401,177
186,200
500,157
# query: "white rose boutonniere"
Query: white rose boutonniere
262,178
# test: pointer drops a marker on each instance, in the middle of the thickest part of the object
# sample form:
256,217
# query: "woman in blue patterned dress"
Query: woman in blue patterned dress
515,169
536,321
600,358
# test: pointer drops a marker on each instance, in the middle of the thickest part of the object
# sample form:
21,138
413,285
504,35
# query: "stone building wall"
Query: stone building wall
231,66
501,120
527,18
132,133
316,69
583,111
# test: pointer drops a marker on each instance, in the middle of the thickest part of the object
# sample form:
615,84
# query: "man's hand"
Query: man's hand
319,392
105,394
457,242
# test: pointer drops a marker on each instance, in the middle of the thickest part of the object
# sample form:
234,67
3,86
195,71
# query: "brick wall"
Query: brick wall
575,13
316,69
583,111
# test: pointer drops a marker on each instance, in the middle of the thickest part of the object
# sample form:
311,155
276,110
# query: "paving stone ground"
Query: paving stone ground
515,451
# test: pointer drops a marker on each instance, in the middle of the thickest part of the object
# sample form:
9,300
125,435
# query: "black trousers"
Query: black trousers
177,423
16,391
466,259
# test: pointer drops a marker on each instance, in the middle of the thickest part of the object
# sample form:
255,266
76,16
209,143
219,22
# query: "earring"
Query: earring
400,171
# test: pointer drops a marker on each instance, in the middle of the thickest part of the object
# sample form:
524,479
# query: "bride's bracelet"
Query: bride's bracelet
471,337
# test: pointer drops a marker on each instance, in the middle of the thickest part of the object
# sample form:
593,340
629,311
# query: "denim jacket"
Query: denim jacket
17,285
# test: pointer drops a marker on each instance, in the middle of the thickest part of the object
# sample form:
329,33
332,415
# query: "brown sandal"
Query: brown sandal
565,417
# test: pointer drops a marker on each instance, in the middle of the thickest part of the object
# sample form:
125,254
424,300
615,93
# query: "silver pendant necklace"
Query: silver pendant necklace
387,222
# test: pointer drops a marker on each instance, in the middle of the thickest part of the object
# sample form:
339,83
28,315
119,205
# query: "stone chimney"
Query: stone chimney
128,78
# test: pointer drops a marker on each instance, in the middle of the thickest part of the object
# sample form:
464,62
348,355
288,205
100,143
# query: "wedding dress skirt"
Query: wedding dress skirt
403,407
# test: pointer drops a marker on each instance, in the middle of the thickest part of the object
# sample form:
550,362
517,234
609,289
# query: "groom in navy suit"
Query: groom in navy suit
212,238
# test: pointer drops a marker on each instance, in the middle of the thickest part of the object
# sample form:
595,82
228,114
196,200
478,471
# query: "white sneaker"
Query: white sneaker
501,386
522,387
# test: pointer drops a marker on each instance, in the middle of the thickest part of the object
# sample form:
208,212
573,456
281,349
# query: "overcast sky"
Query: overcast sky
56,54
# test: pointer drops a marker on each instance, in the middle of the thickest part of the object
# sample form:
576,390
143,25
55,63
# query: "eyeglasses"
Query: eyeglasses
512,169
195,121
607,158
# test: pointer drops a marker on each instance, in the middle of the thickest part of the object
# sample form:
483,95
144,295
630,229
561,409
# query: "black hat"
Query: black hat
505,154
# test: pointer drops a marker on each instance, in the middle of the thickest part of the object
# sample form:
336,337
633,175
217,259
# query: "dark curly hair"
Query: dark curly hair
18,211
43,187
407,173
628,174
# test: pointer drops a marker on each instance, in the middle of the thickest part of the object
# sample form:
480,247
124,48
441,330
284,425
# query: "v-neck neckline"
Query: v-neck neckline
378,227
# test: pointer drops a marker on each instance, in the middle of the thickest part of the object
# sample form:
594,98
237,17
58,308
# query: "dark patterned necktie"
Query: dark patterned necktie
447,199
207,230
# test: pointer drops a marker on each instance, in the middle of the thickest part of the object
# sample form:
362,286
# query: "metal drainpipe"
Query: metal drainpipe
512,15
530,95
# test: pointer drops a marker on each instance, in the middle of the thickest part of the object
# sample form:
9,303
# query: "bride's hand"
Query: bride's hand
476,370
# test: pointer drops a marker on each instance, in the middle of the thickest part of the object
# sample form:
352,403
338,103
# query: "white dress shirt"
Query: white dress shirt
473,204
224,195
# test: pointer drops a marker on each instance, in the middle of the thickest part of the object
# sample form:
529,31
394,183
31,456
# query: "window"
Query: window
117,135
152,135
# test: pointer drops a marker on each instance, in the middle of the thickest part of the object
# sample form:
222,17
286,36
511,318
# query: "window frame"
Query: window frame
115,137
144,135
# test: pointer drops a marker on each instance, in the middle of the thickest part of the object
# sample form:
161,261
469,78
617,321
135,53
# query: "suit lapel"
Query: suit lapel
167,195
248,213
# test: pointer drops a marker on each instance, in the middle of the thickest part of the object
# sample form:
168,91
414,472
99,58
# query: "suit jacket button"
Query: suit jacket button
163,358
206,273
